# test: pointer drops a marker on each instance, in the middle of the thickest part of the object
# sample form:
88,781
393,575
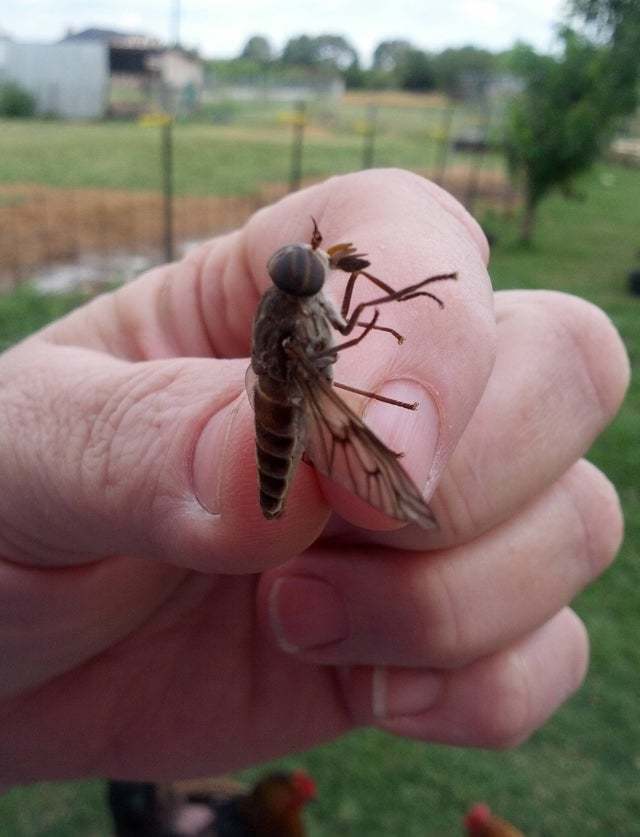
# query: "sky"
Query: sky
220,28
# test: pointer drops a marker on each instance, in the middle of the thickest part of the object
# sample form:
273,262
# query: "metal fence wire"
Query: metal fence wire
99,202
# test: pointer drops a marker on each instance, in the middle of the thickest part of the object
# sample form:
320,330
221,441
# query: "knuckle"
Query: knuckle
600,524
599,352
505,720
125,448
440,632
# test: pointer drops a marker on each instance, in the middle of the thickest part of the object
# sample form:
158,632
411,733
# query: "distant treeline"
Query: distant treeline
396,64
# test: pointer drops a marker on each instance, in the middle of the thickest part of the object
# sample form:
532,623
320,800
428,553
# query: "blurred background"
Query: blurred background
131,131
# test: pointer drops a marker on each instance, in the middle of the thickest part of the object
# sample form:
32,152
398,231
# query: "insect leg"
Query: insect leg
393,401
421,293
348,291
333,349
338,321
395,333
396,296
346,300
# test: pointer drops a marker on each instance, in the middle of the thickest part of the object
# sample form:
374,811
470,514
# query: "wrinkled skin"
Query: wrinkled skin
155,625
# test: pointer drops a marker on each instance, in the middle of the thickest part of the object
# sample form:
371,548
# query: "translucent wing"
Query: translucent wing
250,381
340,445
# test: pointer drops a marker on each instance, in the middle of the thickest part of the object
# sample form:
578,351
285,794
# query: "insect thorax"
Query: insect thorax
282,318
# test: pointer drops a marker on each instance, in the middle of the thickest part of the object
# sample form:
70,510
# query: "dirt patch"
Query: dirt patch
474,189
41,225
395,98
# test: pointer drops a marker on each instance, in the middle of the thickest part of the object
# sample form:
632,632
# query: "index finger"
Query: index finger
409,230
204,306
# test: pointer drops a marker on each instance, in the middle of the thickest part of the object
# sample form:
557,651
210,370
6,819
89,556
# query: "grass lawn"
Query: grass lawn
580,775
211,159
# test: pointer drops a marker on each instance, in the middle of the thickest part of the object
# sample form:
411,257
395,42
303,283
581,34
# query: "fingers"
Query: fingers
560,375
446,609
496,702
153,455
447,355
80,611
154,459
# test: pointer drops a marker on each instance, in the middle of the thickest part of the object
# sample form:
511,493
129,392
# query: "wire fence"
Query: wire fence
111,198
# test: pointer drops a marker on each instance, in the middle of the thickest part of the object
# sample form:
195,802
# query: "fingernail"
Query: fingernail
306,613
411,432
403,692
209,457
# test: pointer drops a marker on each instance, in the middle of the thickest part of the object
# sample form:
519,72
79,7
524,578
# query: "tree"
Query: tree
415,71
257,49
355,77
16,102
388,55
333,51
616,25
464,71
557,127
300,51
619,17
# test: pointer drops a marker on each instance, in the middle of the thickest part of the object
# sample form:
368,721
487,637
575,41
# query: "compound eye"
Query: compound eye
297,270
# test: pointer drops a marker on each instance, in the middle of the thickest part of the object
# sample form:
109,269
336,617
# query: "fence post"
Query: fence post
369,133
167,187
299,122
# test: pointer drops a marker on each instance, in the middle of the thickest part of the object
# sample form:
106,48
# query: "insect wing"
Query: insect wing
250,381
341,446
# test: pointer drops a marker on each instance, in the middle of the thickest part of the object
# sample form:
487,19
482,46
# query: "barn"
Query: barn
70,80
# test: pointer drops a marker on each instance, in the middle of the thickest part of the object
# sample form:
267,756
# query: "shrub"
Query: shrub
15,101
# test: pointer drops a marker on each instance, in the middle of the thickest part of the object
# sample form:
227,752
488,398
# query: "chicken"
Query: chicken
212,807
272,809
144,809
480,822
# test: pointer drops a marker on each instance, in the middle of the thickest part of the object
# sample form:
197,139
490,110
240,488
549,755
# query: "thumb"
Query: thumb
101,456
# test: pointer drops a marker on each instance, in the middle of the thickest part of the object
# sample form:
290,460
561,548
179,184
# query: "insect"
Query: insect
290,382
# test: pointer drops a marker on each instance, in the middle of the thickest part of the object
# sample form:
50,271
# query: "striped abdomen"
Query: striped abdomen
278,442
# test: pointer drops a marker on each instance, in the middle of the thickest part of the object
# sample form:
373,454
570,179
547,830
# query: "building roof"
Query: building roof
113,37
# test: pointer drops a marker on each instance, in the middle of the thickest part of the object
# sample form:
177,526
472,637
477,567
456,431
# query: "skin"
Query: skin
155,625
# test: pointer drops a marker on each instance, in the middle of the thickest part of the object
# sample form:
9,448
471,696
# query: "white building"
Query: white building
68,79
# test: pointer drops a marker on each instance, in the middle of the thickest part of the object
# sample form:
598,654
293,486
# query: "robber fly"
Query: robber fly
297,408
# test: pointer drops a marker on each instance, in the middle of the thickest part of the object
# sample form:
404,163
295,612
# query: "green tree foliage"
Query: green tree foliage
415,71
355,77
334,50
257,49
299,51
557,127
388,55
328,51
616,25
464,71
15,102
397,63
615,17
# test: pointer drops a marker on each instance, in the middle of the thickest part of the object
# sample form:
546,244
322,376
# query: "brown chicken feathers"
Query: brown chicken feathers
212,807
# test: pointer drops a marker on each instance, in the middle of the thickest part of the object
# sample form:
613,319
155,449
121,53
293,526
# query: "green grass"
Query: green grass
578,776
209,159
25,310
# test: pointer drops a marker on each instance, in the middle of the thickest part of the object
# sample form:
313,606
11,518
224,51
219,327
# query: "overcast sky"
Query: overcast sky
219,28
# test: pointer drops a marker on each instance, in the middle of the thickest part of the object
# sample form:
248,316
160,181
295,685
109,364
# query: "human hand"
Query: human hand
155,625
